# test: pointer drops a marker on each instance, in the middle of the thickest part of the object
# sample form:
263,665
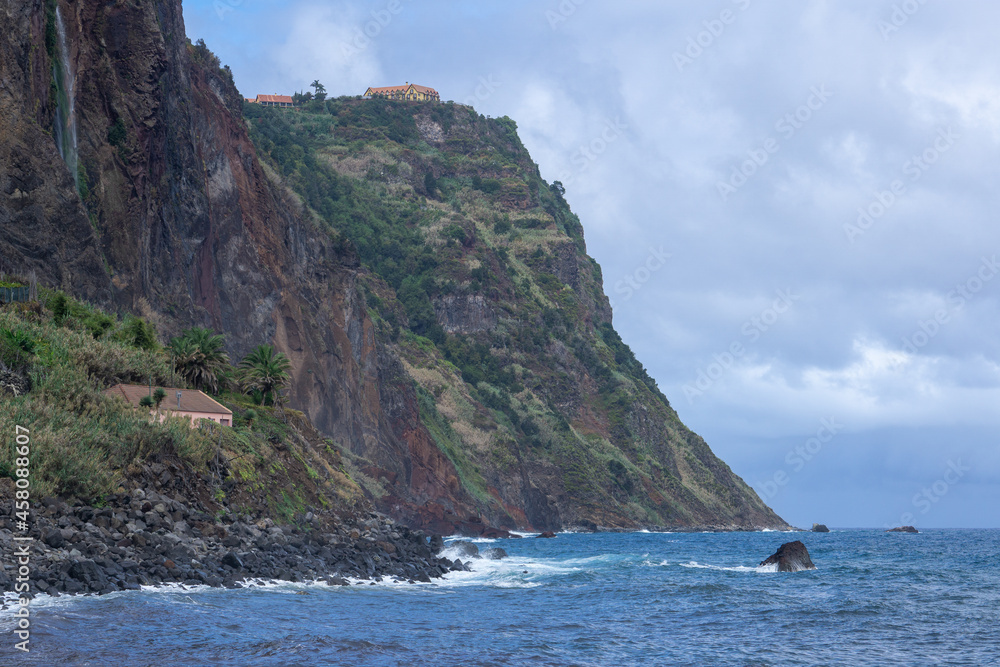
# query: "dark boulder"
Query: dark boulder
903,529
547,533
465,548
88,572
233,561
494,553
790,557
820,528
53,538
495,533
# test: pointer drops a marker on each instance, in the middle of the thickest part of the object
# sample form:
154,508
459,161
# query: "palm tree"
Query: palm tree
265,371
200,359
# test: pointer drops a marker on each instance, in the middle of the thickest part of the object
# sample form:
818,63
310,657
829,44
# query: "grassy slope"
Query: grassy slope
446,206
87,445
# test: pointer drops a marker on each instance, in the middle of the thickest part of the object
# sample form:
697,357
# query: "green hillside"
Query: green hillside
478,278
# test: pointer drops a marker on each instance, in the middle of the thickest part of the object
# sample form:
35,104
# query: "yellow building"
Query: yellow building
410,91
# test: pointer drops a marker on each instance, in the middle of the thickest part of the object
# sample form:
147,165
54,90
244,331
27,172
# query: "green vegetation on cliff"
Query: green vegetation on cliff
58,355
480,281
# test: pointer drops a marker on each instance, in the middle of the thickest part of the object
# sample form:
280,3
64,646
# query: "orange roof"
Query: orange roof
283,99
424,89
192,400
399,89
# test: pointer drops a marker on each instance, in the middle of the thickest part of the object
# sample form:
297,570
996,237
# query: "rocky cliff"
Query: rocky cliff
446,328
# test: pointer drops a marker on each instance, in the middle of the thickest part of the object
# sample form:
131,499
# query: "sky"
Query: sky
794,205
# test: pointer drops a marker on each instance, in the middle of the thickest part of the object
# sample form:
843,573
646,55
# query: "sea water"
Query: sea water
579,599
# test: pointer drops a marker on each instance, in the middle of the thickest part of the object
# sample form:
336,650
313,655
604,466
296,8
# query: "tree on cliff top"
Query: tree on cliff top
320,90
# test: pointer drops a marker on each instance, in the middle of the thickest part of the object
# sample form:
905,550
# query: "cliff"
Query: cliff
446,328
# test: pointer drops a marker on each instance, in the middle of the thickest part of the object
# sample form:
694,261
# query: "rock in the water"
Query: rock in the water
465,548
547,533
820,528
494,553
495,533
790,557
903,529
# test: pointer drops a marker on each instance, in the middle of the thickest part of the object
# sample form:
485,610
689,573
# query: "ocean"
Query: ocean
604,599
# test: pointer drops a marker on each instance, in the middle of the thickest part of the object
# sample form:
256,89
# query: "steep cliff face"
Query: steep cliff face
175,219
479,282
45,229
493,391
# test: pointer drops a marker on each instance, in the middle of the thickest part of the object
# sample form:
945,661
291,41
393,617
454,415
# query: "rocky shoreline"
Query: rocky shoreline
148,539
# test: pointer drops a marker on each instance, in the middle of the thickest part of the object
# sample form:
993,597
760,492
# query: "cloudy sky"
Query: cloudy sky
794,204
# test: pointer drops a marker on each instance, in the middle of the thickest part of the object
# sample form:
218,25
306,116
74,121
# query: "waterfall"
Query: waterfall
65,102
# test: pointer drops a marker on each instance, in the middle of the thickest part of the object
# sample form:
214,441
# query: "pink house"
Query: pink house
189,403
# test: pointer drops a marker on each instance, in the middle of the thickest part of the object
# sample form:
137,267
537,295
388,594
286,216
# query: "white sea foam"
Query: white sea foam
738,568
474,540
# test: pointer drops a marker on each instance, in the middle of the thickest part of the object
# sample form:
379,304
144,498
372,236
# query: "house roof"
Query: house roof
424,89
283,99
400,89
192,400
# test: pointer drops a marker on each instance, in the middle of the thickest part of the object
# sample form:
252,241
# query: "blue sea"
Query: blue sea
579,599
